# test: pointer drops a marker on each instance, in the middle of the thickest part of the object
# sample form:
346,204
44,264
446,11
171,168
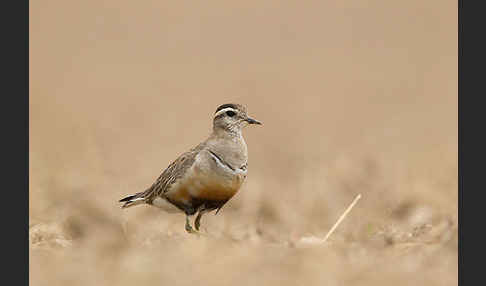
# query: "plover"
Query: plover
207,176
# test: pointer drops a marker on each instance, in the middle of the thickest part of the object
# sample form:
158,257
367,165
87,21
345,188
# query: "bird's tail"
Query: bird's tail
133,200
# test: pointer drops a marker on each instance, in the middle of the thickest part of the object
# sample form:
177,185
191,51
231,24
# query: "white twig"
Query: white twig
342,217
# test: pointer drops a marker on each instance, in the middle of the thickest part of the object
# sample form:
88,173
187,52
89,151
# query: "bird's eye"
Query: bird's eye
230,113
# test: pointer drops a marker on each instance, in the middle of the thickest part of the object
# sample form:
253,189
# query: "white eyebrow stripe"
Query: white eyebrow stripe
224,110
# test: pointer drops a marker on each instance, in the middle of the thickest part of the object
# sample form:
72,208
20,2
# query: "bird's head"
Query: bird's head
232,118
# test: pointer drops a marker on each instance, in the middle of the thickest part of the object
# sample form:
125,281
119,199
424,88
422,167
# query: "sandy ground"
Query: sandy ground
355,99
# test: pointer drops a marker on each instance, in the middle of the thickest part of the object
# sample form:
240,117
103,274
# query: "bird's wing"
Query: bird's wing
172,173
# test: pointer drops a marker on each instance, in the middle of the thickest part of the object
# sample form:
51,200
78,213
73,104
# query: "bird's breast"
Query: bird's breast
215,184
212,178
209,178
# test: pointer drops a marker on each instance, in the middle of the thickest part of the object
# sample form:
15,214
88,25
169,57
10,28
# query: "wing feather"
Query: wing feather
172,173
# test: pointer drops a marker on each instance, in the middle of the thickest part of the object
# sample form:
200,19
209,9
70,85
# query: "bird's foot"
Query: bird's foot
196,232
189,228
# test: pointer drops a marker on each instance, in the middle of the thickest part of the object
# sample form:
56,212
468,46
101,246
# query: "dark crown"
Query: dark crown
228,105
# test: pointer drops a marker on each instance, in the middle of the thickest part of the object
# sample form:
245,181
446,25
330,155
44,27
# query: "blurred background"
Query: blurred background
356,97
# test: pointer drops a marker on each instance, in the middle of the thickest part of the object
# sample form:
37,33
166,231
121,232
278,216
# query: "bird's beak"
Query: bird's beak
252,121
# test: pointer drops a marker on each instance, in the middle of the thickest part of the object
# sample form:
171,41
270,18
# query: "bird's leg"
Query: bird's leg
197,222
189,228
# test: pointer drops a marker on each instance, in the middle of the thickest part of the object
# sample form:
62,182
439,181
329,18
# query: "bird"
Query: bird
207,176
